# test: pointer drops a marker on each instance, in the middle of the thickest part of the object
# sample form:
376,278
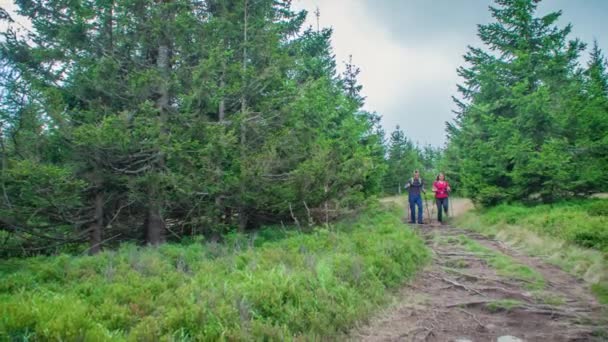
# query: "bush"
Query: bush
598,208
313,285
580,222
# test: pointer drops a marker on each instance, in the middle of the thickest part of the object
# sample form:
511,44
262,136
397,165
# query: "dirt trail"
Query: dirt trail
477,289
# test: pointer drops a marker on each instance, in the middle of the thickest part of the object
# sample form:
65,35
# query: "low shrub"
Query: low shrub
581,222
273,286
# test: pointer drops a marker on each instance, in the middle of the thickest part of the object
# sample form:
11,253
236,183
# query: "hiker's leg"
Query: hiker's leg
445,206
419,202
439,209
412,210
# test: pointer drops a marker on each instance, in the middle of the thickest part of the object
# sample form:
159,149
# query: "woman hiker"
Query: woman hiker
442,189
415,188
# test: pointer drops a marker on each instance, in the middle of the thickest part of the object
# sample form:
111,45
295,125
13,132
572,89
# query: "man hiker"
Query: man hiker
415,188
442,189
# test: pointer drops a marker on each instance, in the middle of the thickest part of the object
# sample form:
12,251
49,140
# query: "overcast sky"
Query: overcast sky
408,51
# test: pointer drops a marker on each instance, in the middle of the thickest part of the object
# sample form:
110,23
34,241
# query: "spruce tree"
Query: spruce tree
508,136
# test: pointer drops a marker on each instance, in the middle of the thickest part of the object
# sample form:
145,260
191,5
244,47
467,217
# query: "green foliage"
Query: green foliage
40,202
580,222
503,305
531,122
600,290
192,116
404,157
270,286
598,208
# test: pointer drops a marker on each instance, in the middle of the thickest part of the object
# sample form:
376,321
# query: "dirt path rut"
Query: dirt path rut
477,289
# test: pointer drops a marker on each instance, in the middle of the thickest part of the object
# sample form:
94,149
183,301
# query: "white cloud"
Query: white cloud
20,24
395,75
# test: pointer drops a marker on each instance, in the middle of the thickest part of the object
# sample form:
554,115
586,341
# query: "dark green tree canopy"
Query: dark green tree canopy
155,120
521,131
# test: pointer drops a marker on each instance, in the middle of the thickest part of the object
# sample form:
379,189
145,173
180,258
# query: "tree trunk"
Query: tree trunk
222,107
155,225
97,226
243,219
242,207
108,28
326,190
3,167
155,230
96,229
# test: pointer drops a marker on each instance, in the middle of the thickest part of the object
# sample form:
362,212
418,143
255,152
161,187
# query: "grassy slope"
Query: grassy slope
282,284
572,235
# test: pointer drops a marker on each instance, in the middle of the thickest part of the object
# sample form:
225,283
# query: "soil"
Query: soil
455,297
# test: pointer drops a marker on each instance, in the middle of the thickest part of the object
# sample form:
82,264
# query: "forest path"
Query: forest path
478,289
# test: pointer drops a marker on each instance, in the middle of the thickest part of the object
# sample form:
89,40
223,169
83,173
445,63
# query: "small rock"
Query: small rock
462,340
490,327
509,338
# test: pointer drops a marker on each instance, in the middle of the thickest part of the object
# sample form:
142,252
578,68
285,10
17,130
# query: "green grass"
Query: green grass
277,286
549,298
571,235
503,305
581,222
503,264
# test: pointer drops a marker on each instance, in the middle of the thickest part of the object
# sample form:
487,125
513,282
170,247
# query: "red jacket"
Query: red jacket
441,189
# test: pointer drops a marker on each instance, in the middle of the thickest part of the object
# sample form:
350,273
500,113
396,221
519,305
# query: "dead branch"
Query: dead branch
132,172
551,313
472,316
457,284
471,303
310,220
172,232
519,295
554,308
463,254
100,243
118,212
474,277
295,219
416,331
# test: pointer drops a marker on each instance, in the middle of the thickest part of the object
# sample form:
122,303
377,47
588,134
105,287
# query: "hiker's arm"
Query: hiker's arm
434,188
407,185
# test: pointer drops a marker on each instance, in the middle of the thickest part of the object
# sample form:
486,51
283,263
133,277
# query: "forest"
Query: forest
183,144
137,121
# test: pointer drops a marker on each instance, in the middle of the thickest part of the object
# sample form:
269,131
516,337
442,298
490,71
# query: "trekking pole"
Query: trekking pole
426,204
451,207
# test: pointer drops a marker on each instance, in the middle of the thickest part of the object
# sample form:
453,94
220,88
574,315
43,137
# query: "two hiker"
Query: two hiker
415,186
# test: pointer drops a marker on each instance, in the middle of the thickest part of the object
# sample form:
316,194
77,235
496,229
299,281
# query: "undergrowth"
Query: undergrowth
581,222
280,285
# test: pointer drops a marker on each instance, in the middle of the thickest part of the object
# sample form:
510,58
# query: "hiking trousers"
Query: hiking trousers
442,204
415,200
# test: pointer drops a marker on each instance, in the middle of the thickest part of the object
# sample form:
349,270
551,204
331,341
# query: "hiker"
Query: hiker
442,189
415,188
